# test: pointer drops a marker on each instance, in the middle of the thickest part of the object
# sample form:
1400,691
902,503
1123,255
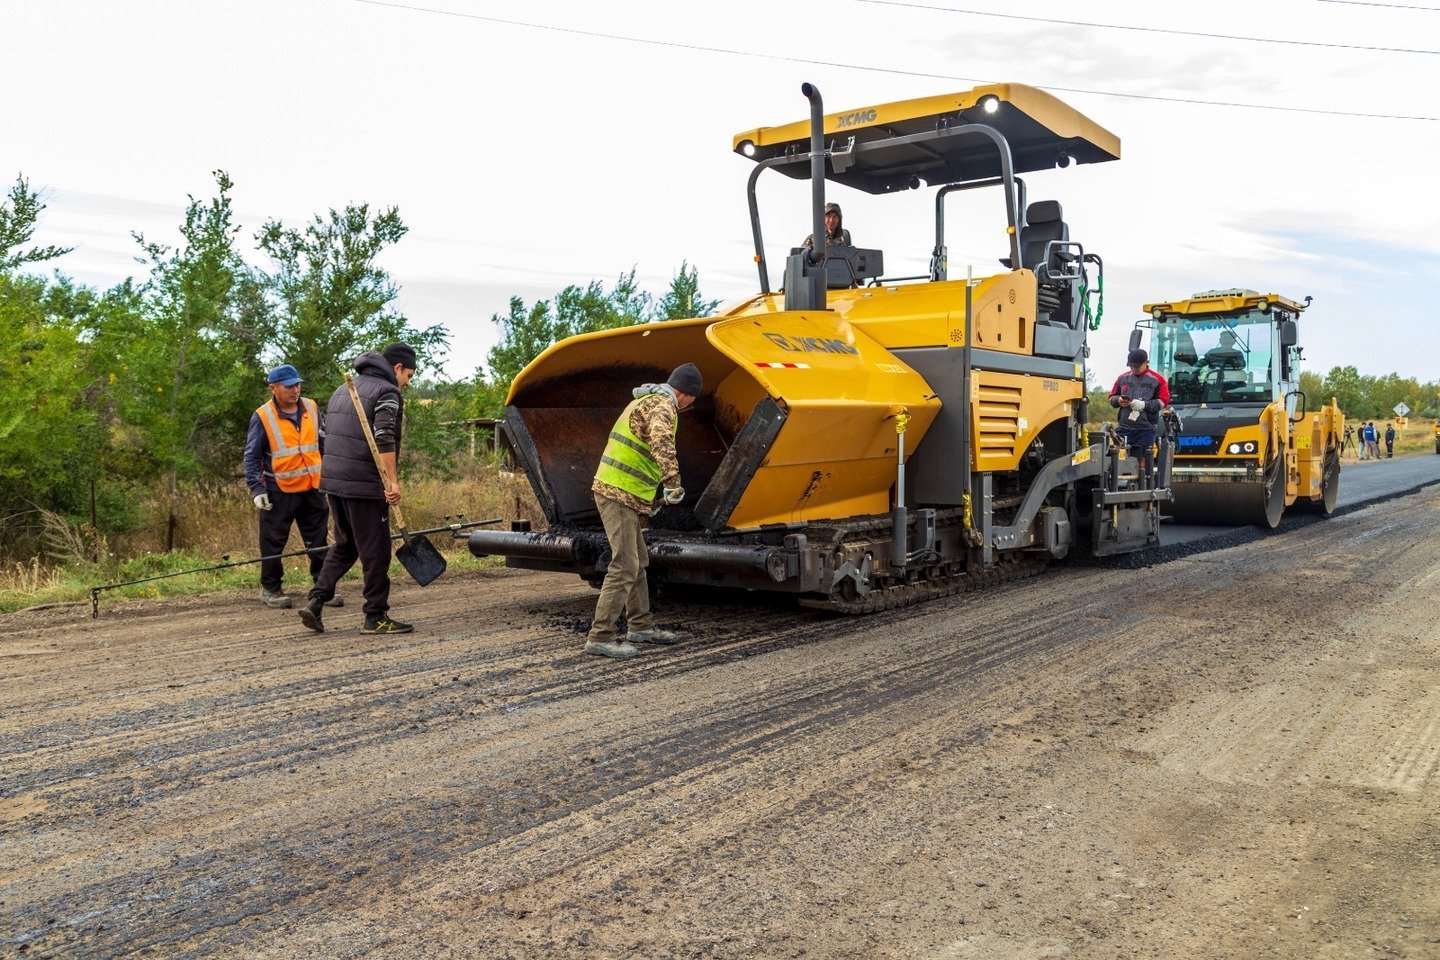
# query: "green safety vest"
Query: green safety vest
626,462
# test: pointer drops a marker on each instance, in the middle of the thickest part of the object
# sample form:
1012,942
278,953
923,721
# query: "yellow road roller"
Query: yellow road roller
864,440
1251,448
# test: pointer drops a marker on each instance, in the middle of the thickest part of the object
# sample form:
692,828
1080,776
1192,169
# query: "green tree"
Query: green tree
45,425
683,299
332,300
19,217
193,360
48,432
1346,386
526,331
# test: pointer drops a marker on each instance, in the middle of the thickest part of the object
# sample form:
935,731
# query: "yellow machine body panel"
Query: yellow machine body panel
1007,410
933,314
1223,302
836,455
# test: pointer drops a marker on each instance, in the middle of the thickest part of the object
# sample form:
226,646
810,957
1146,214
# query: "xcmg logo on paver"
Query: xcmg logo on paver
811,344
856,118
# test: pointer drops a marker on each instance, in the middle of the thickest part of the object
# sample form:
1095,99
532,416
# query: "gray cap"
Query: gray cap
686,379
1137,356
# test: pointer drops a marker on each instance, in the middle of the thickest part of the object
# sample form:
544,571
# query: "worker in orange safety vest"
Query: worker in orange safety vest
282,472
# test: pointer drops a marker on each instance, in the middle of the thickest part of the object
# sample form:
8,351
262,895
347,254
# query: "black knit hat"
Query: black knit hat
686,378
401,353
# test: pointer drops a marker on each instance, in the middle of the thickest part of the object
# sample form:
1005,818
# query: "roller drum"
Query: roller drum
1229,503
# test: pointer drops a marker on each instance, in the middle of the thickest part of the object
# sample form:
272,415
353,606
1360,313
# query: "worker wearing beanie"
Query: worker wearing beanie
359,496
639,461
1139,395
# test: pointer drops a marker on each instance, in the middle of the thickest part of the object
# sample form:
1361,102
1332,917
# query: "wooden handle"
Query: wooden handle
374,450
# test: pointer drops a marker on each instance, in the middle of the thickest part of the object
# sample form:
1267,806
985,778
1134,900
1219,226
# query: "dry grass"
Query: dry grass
29,577
218,522
218,519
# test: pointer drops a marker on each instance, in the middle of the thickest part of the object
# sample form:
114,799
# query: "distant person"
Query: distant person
1369,449
638,463
1139,395
359,496
282,471
835,233
1390,441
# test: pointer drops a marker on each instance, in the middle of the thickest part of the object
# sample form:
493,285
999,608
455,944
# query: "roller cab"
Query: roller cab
1252,447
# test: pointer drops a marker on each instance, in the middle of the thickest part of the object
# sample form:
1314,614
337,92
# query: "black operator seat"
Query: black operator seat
1043,222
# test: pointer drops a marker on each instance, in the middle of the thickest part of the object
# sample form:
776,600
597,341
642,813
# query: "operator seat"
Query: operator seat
1043,223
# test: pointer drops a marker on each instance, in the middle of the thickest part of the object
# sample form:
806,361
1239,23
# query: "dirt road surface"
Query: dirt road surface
1231,755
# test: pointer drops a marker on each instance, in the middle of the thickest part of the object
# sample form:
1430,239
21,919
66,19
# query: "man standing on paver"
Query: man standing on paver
1139,395
639,459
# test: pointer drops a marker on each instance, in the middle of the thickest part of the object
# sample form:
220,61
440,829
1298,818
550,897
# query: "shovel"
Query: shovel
416,554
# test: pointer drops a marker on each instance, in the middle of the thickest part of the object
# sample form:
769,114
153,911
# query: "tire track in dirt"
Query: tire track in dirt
683,751
547,777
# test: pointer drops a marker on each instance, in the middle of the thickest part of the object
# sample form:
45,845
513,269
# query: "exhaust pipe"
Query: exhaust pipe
817,170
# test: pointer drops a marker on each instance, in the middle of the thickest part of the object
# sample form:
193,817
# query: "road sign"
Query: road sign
1401,408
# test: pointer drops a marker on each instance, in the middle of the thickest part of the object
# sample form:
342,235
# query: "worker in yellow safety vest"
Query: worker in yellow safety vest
639,461
282,471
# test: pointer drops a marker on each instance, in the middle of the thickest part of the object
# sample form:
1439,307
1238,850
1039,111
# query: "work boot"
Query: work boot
274,599
310,616
652,636
384,624
335,601
616,649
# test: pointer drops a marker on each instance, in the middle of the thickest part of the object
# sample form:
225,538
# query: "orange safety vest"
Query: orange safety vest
294,454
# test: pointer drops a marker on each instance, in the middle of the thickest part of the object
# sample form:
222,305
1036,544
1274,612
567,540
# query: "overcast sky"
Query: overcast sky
582,139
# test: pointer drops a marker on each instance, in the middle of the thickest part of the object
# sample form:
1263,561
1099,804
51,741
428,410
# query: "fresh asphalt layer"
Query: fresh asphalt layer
1360,483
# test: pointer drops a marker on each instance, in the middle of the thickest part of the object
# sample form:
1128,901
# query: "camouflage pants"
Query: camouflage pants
626,589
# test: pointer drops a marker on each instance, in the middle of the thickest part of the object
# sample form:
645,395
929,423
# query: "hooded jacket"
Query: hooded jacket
653,422
348,469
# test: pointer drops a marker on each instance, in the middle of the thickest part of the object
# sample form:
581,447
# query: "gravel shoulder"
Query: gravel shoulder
1235,754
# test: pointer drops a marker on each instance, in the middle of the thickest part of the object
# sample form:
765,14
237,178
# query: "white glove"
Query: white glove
262,502
674,495
1137,405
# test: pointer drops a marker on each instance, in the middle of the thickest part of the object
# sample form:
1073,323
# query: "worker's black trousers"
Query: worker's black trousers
306,510
362,532
1141,444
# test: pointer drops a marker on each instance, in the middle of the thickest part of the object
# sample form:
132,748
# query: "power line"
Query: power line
1177,33
1393,6
672,44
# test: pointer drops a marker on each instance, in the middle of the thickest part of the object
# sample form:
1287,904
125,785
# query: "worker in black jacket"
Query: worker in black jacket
359,496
